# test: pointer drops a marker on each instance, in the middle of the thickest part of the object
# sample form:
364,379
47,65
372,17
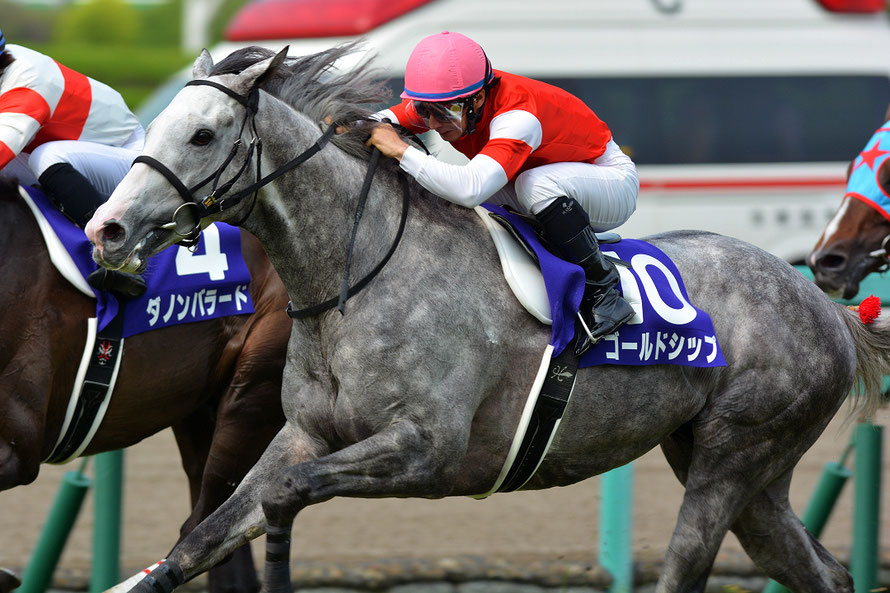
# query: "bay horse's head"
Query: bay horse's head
198,152
856,241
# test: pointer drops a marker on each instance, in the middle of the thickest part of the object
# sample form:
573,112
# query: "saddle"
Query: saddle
520,263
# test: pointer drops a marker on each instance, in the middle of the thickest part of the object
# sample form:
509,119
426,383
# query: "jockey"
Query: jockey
531,146
71,134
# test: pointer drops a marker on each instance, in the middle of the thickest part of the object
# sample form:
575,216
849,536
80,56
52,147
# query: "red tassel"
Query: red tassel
869,309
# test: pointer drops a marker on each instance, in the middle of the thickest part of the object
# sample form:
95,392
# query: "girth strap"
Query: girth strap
549,408
87,411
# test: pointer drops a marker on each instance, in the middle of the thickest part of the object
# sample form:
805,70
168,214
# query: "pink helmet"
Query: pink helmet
445,67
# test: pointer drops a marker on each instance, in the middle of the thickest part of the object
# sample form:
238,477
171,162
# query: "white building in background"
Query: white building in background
742,115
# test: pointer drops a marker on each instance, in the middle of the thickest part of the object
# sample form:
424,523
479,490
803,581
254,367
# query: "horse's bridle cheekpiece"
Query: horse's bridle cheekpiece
187,218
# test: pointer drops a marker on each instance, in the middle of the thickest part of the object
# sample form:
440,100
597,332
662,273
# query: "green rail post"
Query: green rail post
866,509
108,492
616,527
56,530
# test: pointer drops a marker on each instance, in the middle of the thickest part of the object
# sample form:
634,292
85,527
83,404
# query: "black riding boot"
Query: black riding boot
76,197
567,226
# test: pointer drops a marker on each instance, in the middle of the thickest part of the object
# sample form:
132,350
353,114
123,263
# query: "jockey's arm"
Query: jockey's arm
467,185
22,112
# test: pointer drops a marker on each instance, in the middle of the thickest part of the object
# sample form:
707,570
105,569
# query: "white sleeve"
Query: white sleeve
468,185
385,114
16,131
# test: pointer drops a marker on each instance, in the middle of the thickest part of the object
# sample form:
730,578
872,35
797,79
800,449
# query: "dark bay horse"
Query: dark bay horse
417,390
217,383
855,242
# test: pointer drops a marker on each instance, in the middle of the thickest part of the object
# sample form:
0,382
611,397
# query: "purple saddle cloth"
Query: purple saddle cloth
183,286
667,329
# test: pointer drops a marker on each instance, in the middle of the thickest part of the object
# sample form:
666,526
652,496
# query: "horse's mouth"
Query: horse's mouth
136,259
133,262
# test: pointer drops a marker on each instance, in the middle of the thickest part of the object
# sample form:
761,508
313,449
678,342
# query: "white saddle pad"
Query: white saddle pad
520,270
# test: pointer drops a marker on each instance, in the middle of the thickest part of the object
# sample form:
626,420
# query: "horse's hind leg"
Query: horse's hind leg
705,516
719,481
678,451
781,546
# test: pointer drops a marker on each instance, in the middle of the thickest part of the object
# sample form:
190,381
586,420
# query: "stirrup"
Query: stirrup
585,344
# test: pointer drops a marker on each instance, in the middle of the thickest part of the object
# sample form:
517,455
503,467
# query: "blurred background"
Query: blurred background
742,116
131,46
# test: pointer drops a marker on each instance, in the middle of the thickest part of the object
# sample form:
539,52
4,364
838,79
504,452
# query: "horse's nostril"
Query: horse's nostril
831,261
112,232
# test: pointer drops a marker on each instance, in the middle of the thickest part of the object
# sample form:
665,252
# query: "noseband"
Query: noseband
187,218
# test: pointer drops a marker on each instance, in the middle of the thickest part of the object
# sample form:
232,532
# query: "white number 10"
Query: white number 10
631,290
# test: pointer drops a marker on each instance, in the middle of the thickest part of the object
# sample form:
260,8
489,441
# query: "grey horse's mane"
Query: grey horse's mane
310,84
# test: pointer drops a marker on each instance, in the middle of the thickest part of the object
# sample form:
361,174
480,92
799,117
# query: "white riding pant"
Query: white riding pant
607,189
104,166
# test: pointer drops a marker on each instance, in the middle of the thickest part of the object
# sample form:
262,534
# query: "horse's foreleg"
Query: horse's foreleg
399,461
780,545
233,524
212,479
247,419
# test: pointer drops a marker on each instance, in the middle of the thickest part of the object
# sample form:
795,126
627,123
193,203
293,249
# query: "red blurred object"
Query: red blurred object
854,5
285,19
869,309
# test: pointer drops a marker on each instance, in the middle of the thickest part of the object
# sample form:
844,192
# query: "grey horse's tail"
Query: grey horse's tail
872,343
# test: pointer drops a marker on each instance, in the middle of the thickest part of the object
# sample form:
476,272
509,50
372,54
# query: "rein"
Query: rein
339,301
187,218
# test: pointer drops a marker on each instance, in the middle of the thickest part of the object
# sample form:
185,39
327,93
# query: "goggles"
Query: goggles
449,111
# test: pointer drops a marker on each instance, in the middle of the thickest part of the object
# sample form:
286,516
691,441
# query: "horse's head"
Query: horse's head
855,242
198,152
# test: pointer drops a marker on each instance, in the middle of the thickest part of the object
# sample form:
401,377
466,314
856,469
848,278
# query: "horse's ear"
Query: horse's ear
203,65
260,72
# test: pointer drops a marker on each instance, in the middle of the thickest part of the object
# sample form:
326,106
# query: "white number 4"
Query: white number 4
212,262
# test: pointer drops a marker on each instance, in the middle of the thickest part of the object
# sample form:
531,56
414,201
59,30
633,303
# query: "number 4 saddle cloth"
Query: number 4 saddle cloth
667,328
183,286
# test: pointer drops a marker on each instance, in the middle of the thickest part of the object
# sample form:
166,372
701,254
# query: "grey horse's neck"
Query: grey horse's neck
310,211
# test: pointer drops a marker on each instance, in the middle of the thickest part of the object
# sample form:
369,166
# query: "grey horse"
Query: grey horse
417,390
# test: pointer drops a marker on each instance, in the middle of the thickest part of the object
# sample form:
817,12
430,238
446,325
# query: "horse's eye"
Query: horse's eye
202,138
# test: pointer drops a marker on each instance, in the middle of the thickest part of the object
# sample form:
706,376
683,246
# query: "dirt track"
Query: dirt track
560,523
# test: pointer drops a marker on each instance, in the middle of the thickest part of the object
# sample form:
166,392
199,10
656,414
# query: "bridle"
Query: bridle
882,255
187,218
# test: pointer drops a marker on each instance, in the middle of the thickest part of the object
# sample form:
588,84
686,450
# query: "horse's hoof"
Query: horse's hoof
8,580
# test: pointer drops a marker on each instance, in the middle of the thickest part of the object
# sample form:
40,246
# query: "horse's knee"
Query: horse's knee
286,497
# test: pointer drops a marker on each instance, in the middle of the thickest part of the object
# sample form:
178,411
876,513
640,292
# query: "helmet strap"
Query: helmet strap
472,117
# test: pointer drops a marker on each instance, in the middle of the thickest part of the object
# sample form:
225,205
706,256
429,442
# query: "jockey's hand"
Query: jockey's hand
388,141
340,129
